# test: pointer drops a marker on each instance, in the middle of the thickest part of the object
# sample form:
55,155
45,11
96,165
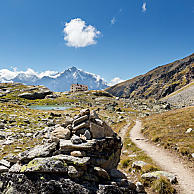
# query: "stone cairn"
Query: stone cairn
80,156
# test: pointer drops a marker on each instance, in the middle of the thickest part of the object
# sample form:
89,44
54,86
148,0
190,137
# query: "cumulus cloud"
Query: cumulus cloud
115,81
113,21
144,7
78,34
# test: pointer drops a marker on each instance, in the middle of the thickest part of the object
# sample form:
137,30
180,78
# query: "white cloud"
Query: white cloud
47,73
78,34
113,21
115,81
8,75
144,7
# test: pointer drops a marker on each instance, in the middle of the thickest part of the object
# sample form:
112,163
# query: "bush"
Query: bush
162,186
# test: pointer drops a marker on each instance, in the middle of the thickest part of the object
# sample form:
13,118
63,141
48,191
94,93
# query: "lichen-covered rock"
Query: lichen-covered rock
80,156
45,165
38,151
157,174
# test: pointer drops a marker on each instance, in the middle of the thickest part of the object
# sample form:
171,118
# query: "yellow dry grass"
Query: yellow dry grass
169,129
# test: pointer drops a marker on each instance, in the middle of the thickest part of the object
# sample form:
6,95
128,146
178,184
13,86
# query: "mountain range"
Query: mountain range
55,81
158,82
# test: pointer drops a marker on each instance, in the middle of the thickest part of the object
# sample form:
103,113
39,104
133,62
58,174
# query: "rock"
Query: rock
41,94
102,173
108,132
80,120
138,164
11,158
72,160
116,174
61,133
2,126
69,161
45,165
140,188
76,139
53,114
157,174
38,151
16,168
78,153
93,115
84,112
5,163
99,122
87,134
1,185
67,145
97,131
82,125
74,173
67,122
3,169
192,155
189,130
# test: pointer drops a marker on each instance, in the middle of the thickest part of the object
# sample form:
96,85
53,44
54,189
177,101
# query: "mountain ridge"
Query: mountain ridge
58,81
158,82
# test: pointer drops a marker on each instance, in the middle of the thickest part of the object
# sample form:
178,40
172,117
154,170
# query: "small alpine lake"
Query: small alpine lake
49,107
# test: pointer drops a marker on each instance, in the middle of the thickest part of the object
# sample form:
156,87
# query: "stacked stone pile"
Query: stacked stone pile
80,156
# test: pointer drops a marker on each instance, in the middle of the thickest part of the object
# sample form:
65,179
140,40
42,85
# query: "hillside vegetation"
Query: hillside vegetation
173,130
158,82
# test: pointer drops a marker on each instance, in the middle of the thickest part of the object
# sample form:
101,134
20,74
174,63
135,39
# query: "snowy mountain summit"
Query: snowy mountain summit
58,82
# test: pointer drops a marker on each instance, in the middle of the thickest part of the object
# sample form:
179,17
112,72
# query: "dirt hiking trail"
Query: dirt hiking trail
164,159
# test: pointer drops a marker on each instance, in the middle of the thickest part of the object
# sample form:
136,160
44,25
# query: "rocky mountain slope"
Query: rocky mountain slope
59,82
158,82
182,97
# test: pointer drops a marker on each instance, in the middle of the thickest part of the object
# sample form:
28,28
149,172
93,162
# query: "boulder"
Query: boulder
102,173
80,156
61,133
35,95
76,139
157,174
45,165
38,151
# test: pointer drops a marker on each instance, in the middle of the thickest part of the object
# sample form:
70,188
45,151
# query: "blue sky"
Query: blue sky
125,38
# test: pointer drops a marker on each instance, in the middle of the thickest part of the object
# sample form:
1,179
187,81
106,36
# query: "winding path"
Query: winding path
165,160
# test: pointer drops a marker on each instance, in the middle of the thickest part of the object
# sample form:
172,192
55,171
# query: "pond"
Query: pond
48,107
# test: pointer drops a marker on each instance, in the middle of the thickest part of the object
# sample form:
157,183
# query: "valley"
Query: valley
157,130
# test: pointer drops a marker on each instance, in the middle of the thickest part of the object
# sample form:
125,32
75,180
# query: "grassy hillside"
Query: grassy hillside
158,82
169,129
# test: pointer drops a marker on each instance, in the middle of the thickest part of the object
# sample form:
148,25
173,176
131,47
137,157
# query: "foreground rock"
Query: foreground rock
81,156
157,174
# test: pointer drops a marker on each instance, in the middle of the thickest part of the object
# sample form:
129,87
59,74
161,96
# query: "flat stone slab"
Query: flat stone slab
38,151
67,145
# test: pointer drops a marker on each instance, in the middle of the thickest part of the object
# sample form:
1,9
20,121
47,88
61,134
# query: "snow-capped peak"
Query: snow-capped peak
56,81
